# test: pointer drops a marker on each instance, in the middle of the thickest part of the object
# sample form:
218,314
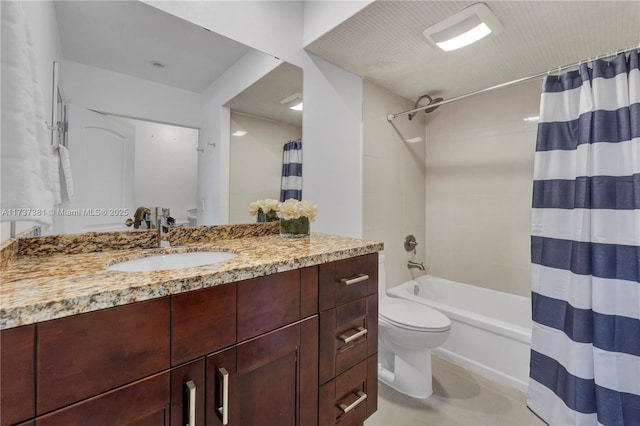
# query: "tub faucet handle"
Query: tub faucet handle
410,243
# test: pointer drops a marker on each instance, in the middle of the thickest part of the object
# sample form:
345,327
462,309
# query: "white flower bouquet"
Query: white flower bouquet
295,217
266,209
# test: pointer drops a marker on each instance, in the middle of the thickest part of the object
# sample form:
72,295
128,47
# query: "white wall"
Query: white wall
114,93
394,181
323,16
255,167
478,186
165,171
43,28
332,118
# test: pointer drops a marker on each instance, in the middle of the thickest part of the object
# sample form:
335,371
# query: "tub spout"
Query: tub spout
415,265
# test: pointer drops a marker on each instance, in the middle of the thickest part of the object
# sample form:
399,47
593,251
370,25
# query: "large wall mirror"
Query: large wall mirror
263,118
145,71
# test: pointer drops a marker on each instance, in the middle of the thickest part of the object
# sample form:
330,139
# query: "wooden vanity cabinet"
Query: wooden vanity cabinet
268,349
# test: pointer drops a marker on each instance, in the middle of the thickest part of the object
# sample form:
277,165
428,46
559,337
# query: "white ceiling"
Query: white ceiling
384,43
124,36
262,99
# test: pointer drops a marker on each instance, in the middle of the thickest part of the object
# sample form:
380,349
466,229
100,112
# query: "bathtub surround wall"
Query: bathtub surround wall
479,169
394,181
255,162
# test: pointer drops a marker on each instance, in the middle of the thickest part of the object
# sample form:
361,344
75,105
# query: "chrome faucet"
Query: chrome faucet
415,265
159,222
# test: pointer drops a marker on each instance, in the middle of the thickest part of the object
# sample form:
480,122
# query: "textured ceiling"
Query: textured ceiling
123,36
384,43
262,99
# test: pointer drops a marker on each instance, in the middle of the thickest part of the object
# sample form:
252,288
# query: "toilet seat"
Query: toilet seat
411,315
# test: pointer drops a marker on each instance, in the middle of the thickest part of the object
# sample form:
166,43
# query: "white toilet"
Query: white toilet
407,332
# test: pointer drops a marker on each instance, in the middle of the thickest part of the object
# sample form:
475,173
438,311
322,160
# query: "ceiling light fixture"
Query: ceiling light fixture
294,100
533,119
465,27
239,133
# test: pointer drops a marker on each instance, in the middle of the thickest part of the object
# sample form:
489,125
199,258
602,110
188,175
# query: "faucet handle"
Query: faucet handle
410,243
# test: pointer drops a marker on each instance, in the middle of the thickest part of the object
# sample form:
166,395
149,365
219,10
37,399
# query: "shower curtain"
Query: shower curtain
585,247
291,186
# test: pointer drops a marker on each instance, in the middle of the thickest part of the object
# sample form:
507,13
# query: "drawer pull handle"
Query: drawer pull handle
361,331
224,410
346,408
358,278
191,402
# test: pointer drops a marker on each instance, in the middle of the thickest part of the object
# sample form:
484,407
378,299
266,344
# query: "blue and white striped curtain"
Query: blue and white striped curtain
291,186
585,247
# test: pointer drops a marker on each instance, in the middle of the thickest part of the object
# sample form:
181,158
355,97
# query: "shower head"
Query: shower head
427,110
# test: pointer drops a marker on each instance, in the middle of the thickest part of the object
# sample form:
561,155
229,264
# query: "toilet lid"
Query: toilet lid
412,315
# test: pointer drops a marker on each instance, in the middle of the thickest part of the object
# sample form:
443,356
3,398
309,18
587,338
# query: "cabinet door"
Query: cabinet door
271,380
17,385
142,403
187,394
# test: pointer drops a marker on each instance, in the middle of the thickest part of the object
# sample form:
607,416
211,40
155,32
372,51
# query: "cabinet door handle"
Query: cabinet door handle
224,410
346,408
358,278
191,402
361,331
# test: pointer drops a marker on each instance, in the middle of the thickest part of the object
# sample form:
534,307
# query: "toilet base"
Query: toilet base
409,374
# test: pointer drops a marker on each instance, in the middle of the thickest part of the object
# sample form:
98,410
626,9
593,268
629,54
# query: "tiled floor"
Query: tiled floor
460,397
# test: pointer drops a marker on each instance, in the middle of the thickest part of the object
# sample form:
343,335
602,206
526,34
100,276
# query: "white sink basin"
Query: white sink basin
163,262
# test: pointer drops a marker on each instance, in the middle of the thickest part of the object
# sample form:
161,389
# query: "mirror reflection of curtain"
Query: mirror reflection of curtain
291,186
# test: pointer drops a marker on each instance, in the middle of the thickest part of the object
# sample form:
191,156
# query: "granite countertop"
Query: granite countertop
52,277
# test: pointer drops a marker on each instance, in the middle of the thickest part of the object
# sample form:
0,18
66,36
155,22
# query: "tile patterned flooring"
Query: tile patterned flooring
460,397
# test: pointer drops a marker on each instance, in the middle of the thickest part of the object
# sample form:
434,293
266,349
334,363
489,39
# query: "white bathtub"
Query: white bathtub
490,330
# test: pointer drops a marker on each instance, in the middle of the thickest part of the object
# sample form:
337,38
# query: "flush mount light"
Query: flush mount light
465,27
294,101
239,133
533,119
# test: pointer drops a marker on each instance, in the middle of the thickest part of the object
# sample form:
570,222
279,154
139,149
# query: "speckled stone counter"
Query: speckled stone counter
45,278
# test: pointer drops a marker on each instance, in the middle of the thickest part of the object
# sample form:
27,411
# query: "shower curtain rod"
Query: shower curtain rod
390,117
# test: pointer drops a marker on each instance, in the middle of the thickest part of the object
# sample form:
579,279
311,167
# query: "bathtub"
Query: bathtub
490,330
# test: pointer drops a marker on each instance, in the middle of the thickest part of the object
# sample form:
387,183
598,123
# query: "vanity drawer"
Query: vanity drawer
351,397
348,335
86,354
267,303
202,322
346,280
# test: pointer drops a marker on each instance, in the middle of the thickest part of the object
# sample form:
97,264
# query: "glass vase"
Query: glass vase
294,228
270,216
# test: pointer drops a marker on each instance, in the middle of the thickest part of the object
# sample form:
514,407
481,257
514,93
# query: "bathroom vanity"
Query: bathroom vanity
284,333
